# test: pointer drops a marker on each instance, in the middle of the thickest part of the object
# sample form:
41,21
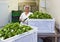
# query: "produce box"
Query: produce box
15,19
44,22
23,33
16,15
44,25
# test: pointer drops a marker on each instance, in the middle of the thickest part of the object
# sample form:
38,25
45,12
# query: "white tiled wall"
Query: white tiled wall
6,6
53,7
13,4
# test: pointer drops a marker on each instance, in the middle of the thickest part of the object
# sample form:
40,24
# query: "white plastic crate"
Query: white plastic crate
44,25
30,36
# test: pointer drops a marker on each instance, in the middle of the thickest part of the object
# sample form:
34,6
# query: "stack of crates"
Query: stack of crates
16,15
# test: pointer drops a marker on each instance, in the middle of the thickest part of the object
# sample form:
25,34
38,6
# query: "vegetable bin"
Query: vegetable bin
44,25
30,36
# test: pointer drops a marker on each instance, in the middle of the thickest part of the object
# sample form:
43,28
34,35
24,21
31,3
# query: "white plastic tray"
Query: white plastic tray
30,36
44,25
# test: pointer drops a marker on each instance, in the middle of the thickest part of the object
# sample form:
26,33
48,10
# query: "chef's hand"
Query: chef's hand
21,20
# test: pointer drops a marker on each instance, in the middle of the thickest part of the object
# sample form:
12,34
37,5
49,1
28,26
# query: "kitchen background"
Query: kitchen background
50,6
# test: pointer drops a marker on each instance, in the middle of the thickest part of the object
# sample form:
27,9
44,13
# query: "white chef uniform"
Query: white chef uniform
25,17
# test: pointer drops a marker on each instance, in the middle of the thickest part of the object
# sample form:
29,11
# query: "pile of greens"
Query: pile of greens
13,29
40,15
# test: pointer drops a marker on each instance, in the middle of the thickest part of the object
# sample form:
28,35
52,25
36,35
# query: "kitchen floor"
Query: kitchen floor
47,39
50,39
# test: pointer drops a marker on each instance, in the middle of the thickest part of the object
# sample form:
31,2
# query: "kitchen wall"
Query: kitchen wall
26,0
13,4
10,5
42,6
53,7
33,4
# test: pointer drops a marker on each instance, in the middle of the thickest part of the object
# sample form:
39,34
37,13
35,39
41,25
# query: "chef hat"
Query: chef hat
26,6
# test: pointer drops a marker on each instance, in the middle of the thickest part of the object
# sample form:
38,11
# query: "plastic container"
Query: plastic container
30,36
15,19
16,13
44,25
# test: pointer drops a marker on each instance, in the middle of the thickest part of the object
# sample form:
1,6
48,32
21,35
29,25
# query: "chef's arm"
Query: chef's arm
25,19
20,19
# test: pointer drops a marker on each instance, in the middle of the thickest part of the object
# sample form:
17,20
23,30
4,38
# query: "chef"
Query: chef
24,16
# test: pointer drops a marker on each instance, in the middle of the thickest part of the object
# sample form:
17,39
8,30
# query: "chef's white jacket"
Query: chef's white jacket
23,17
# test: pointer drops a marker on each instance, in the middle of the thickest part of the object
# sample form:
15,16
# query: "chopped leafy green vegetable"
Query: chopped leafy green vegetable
13,29
40,15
